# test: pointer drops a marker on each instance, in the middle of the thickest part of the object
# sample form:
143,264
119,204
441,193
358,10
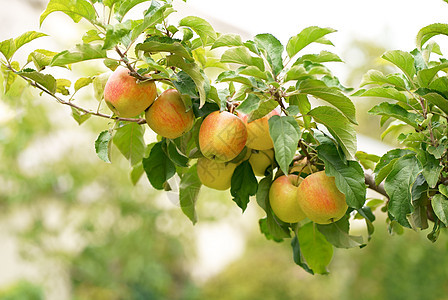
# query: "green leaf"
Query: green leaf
255,72
8,48
256,108
323,56
243,185
41,58
304,105
376,77
426,76
274,50
27,37
337,234
91,36
9,76
398,186
118,33
81,52
403,60
227,40
285,132
296,73
430,31
158,167
129,140
102,146
349,175
45,80
176,156
98,85
304,38
240,55
438,100
124,6
385,92
202,28
439,204
189,188
62,86
136,173
367,160
262,195
79,116
387,162
316,250
155,14
75,9
165,44
297,255
227,76
397,112
83,82
431,167
339,127
331,95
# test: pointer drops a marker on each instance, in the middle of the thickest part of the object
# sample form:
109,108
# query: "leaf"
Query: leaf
75,9
91,36
129,140
202,28
243,185
102,146
297,73
240,55
349,175
397,112
376,77
262,194
304,38
158,167
124,6
339,127
176,157
332,95
62,86
9,76
427,32
81,52
45,80
83,82
165,44
437,100
398,186
431,167
80,117
285,132
136,173
386,163
227,40
304,105
8,48
189,188
385,92
155,14
403,60
323,56
118,33
367,160
337,234
316,250
256,108
41,58
274,50
426,76
227,76
297,255
439,204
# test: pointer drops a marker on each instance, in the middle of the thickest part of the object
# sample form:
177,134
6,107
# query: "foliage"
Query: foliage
258,76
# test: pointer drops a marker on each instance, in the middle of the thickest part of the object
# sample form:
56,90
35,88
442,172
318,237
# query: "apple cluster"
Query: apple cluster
226,139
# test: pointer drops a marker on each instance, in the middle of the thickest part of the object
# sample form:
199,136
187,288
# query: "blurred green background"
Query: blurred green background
73,227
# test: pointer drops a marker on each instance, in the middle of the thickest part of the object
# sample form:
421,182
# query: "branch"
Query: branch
370,181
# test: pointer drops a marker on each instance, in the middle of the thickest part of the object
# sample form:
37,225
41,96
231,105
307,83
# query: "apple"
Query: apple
215,175
258,136
222,136
168,117
283,198
260,160
320,199
126,96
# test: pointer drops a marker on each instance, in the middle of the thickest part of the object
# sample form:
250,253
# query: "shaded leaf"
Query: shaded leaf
81,52
243,185
189,188
158,167
129,140
102,146
316,250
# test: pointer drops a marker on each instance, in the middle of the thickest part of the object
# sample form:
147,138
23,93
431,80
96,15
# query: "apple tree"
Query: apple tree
271,111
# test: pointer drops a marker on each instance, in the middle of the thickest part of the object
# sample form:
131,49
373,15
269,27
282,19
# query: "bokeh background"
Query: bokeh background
73,227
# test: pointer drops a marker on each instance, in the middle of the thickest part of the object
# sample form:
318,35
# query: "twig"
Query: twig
370,181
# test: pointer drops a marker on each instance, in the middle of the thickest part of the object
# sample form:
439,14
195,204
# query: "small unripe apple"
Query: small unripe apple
283,198
126,96
320,199
168,117
215,175
258,136
222,136
260,160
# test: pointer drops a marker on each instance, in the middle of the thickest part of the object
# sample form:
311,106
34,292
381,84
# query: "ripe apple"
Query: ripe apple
260,160
215,175
320,199
167,116
127,97
258,136
222,136
283,198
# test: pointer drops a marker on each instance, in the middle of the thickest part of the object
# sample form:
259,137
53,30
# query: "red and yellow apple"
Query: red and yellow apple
215,175
168,117
258,136
320,199
260,160
283,198
222,136
126,96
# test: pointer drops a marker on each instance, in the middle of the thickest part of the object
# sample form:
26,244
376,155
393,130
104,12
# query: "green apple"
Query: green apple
126,96
168,117
320,199
258,136
215,175
222,136
260,160
283,198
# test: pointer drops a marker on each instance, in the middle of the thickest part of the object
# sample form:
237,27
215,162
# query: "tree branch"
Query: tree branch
370,181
